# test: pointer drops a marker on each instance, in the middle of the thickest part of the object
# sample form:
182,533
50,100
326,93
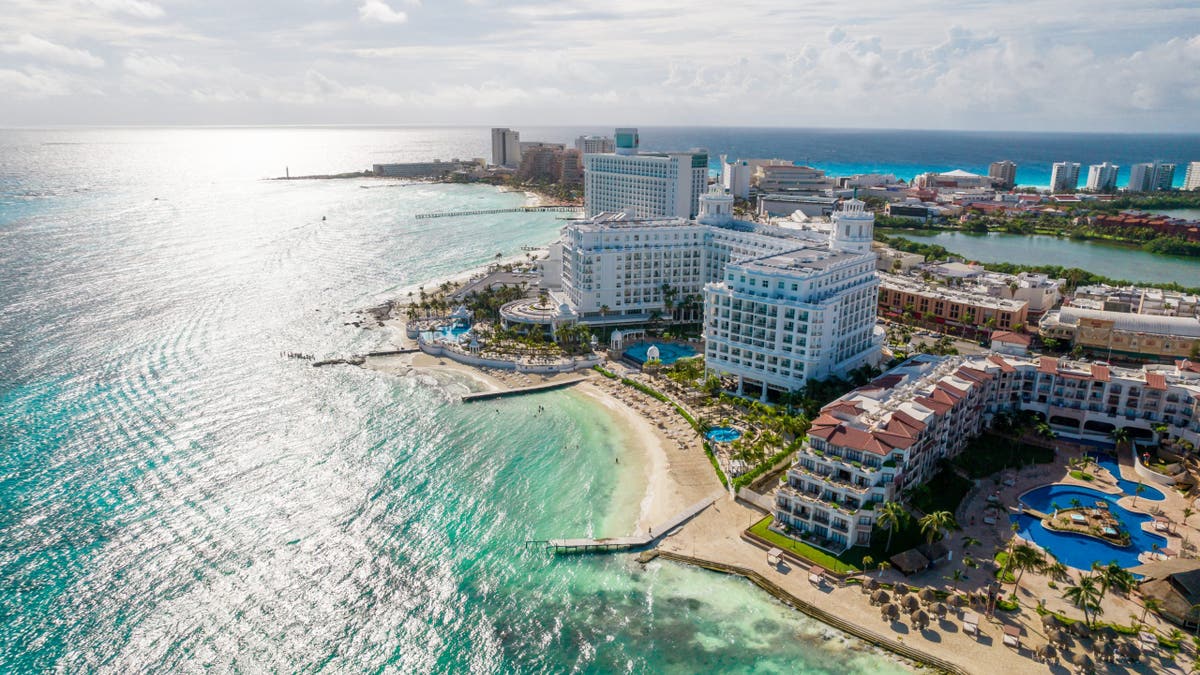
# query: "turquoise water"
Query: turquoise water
175,496
723,434
1080,551
1116,262
452,333
1129,487
668,352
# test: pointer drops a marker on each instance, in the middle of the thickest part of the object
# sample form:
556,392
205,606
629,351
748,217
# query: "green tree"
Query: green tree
892,516
1086,595
933,524
1025,558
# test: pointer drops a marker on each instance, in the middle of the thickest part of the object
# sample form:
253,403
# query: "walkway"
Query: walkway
481,212
637,541
503,393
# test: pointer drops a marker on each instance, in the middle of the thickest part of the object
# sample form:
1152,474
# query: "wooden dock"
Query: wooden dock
607,544
533,388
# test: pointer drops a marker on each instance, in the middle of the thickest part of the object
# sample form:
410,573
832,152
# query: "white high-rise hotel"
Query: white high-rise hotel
781,305
652,185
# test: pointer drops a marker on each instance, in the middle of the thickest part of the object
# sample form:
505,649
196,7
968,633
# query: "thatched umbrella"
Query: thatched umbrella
1049,621
1129,651
901,590
1056,636
1081,629
927,596
1107,632
1106,653
920,620
1046,652
910,603
870,585
940,610
879,597
955,601
889,611
1083,663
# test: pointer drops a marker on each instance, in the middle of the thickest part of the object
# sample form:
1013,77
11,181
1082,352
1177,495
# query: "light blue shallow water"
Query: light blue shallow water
175,496
1079,551
668,352
723,434
1129,487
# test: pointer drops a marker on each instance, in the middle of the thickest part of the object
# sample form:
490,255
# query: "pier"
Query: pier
483,212
607,544
503,393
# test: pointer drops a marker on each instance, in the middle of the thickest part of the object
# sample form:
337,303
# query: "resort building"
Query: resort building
1123,334
1102,177
735,177
1151,177
1191,179
959,306
506,148
594,144
783,205
1003,174
1064,177
1136,300
550,162
896,261
790,178
618,269
652,185
888,436
777,320
951,180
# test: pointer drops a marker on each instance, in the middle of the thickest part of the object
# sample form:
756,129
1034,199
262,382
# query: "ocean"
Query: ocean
176,496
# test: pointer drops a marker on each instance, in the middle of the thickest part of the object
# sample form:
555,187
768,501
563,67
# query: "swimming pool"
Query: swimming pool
1129,487
668,352
723,434
452,333
1077,550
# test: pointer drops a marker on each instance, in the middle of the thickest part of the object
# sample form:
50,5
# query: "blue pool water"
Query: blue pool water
668,352
723,434
447,333
1076,550
1129,487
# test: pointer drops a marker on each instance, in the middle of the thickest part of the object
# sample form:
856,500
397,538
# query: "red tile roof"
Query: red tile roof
1156,381
1011,338
1188,366
1100,373
1048,365
1005,366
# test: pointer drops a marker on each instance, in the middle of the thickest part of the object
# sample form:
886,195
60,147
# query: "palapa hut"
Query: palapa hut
909,562
927,596
1175,584
880,597
1046,652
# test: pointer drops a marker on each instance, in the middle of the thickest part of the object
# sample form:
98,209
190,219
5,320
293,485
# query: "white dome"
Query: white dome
652,352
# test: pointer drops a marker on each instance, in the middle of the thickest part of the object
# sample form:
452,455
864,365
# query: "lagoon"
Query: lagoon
1113,261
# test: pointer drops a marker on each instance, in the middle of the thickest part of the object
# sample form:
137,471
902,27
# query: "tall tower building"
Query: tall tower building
1191,180
1003,174
1064,177
506,148
1102,177
588,144
653,185
1151,177
853,228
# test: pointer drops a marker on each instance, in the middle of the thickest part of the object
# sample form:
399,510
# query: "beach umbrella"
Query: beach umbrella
927,595
1049,621
1129,651
889,611
880,597
955,601
1109,649
920,619
1057,637
910,603
940,610
871,585
1107,632
1083,663
902,589
1046,652
1081,629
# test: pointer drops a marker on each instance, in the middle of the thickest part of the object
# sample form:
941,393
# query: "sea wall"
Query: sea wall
521,366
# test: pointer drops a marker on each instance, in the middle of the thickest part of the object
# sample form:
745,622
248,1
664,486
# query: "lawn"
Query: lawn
811,553
990,453
943,492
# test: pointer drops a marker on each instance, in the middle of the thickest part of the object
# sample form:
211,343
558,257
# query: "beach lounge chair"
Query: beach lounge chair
1012,637
970,623
816,576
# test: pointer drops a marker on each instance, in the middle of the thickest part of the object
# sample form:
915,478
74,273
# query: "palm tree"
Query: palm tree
867,561
1113,576
1119,436
1137,492
956,577
1057,571
1024,558
1149,604
932,524
969,541
892,515
1085,595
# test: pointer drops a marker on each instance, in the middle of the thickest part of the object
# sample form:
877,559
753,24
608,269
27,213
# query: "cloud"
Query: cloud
138,8
378,10
33,83
152,67
39,48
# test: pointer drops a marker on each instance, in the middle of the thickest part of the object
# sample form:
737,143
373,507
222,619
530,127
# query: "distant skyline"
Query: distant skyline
1099,66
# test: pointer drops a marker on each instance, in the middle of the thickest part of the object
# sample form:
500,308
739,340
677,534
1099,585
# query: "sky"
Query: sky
1067,65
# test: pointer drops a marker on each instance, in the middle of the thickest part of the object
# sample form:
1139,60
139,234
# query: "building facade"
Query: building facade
958,306
735,177
1122,334
1191,179
872,444
1151,177
1064,177
789,178
775,321
506,148
597,144
1102,177
1003,174
651,185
